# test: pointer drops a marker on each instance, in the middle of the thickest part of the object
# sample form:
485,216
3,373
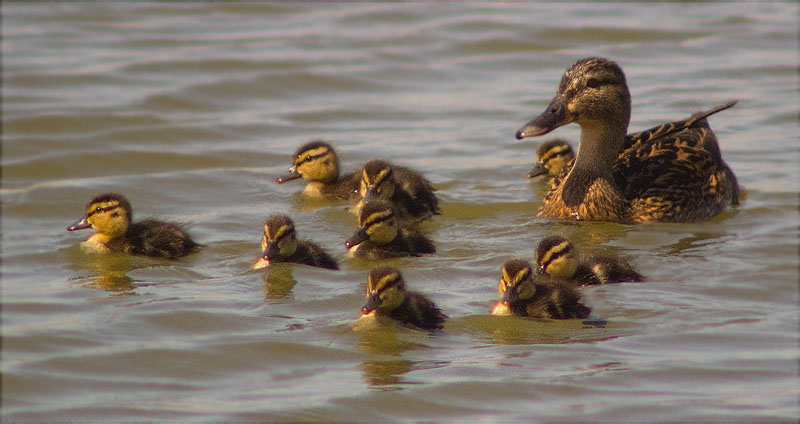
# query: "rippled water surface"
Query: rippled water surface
192,110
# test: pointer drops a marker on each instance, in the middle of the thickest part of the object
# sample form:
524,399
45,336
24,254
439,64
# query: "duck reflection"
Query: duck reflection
696,240
512,330
381,339
109,271
278,282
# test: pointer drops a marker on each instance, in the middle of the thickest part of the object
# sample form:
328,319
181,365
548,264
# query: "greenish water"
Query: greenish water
192,110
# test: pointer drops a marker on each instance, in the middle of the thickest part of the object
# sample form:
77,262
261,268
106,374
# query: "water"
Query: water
192,110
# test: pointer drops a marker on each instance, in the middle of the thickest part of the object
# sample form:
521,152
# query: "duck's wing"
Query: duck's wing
636,139
675,178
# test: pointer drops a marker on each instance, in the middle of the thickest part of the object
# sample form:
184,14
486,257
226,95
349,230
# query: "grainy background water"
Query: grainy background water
192,110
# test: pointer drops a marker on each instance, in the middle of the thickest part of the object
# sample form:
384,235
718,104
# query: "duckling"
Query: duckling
522,296
412,194
557,257
280,244
552,156
382,235
110,214
318,163
670,173
387,296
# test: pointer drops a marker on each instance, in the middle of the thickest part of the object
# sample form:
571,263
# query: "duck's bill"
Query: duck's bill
537,170
371,193
356,239
272,251
372,304
510,296
554,116
81,224
292,174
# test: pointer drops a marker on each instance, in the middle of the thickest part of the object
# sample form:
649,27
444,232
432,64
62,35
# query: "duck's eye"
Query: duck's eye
308,157
98,209
592,83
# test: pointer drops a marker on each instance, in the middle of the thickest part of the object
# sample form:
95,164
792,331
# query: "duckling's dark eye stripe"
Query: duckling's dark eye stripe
101,209
282,233
309,158
384,175
559,151
386,282
376,219
554,253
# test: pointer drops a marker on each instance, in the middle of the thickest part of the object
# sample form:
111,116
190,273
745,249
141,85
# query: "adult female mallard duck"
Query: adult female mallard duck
412,195
551,158
110,214
280,244
523,296
387,296
318,163
382,235
670,173
557,257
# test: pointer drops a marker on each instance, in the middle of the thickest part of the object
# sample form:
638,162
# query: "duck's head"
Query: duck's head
552,156
516,282
109,214
279,239
593,93
386,290
557,257
377,223
314,161
377,181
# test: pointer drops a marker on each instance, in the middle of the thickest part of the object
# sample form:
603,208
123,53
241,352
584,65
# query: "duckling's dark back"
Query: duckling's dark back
159,239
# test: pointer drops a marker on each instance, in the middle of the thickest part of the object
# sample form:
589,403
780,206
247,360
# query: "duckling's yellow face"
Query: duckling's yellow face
318,163
557,257
379,224
555,158
385,290
279,239
110,215
516,282
377,183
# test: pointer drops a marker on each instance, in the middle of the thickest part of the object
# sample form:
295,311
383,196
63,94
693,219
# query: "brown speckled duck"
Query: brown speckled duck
110,214
558,258
280,244
522,295
387,296
551,158
670,173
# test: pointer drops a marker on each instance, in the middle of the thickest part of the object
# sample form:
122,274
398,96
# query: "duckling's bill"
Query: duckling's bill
80,224
359,237
291,174
372,303
537,170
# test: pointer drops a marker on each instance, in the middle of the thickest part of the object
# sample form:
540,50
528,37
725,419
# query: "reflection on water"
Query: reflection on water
195,109
278,282
513,330
109,270
384,340
695,241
